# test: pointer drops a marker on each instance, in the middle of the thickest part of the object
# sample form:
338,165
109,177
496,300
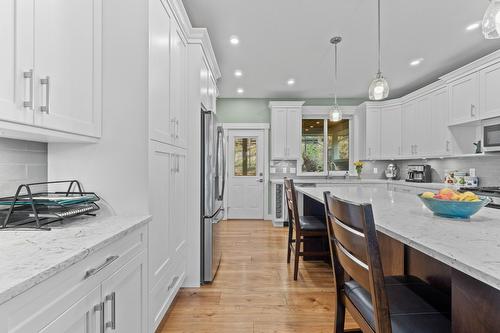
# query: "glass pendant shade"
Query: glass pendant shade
491,20
379,88
335,113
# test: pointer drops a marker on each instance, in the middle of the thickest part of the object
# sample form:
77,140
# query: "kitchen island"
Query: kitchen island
460,257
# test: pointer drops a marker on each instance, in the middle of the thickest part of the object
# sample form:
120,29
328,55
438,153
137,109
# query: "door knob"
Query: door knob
260,180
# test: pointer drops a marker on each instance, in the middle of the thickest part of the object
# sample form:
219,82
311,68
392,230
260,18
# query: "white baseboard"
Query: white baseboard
278,224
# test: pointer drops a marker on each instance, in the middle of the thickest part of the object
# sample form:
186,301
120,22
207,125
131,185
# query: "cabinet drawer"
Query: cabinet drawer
37,307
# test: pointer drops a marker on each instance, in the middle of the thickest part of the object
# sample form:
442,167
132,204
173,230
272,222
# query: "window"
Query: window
245,156
325,146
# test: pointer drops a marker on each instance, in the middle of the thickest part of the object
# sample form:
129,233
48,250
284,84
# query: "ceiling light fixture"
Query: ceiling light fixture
290,82
238,73
335,112
240,91
473,26
379,88
491,20
416,62
234,40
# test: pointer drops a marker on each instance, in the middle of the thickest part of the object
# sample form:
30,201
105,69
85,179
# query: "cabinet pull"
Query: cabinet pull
178,163
416,149
369,152
28,77
177,128
174,281
99,268
447,145
46,82
112,298
100,308
399,150
172,121
472,111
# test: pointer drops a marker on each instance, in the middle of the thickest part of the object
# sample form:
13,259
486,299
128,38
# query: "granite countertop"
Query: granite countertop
28,257
472,247
353,180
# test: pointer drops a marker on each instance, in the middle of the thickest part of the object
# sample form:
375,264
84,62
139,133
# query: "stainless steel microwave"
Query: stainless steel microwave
491,135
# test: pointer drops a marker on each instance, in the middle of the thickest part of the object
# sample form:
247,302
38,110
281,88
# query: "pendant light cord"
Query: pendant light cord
336,77
379,52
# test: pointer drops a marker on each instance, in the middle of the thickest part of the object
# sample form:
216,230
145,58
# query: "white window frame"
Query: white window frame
323,113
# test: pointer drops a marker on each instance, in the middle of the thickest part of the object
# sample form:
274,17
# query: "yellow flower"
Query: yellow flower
358,164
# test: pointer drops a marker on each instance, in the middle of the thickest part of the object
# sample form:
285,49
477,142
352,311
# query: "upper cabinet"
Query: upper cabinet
464,99
52,78
372,133
390,131
286,120
440,137
489,92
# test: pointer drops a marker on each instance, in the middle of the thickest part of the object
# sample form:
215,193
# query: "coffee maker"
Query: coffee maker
419,173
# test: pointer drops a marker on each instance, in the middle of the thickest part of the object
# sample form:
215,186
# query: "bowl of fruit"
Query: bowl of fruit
453,204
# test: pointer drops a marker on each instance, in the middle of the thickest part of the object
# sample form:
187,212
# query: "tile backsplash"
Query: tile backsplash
21,162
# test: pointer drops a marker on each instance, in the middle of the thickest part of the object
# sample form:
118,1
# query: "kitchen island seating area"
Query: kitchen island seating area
301,227
377,303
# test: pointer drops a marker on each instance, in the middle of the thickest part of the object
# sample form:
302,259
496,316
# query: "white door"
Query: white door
124,295
82,317
246,174
16,61
68,65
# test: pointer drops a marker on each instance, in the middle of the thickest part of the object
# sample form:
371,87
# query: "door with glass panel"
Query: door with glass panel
246,174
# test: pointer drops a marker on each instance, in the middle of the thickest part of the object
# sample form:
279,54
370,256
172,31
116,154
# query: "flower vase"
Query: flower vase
358,171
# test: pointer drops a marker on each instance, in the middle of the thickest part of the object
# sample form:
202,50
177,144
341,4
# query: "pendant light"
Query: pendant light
491,20
379,88
335,112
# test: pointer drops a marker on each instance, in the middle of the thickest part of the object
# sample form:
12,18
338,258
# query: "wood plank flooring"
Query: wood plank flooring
254,290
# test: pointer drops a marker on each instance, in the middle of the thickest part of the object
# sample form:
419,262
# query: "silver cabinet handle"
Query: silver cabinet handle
174,281
369,152
177,128
447,145
172,121
260,180
177,169
111,298
100,308
28,77
46,82
472,110
99,268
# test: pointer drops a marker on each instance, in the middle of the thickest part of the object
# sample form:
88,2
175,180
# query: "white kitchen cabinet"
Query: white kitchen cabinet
161,127
464,99
372,133
390,131
286,128
124,298
421,139
440,136
489,91
16,61
204,79
409,115
178,195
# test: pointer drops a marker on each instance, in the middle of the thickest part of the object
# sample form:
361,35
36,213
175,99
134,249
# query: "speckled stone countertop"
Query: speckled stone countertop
353,180
29,257
472,247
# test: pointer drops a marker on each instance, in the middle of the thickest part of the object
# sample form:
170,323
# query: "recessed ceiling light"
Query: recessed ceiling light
290,82
473,26
416,62
240,91
234,40
238,73
311,126
318,122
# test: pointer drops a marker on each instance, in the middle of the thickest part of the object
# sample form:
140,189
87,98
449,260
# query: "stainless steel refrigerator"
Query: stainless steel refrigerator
213,183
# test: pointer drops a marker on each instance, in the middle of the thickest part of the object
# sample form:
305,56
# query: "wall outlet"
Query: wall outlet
272,170
293,170
375,170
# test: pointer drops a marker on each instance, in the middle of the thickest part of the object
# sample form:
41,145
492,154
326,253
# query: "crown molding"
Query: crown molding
286,104
472,67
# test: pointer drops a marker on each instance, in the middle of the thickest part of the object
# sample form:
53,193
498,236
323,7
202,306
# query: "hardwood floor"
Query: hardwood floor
254,290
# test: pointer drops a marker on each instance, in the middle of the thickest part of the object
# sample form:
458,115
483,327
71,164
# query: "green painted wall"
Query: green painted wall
256,110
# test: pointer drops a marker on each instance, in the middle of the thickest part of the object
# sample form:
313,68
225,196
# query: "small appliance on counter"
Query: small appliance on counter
492,192
392,172
34,206
419,173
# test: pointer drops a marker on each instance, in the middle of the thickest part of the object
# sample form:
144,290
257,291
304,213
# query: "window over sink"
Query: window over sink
325,147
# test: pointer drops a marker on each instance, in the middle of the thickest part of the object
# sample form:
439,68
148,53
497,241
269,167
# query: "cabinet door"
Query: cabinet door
67,51
490,98
161,169
278,133
372,133
124,296
178,84
160,125
390,132
464,99
409,132
293,133
16,59
440,137
204,77
421,125
82,317
178,225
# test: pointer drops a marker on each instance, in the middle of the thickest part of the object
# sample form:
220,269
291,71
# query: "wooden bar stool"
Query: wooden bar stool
401,304
304,226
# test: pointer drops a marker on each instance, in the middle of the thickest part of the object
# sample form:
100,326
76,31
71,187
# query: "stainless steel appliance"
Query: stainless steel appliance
491,135
392,171
212,188
419,174
493,192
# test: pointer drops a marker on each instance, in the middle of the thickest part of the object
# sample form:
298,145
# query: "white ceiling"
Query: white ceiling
282,39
